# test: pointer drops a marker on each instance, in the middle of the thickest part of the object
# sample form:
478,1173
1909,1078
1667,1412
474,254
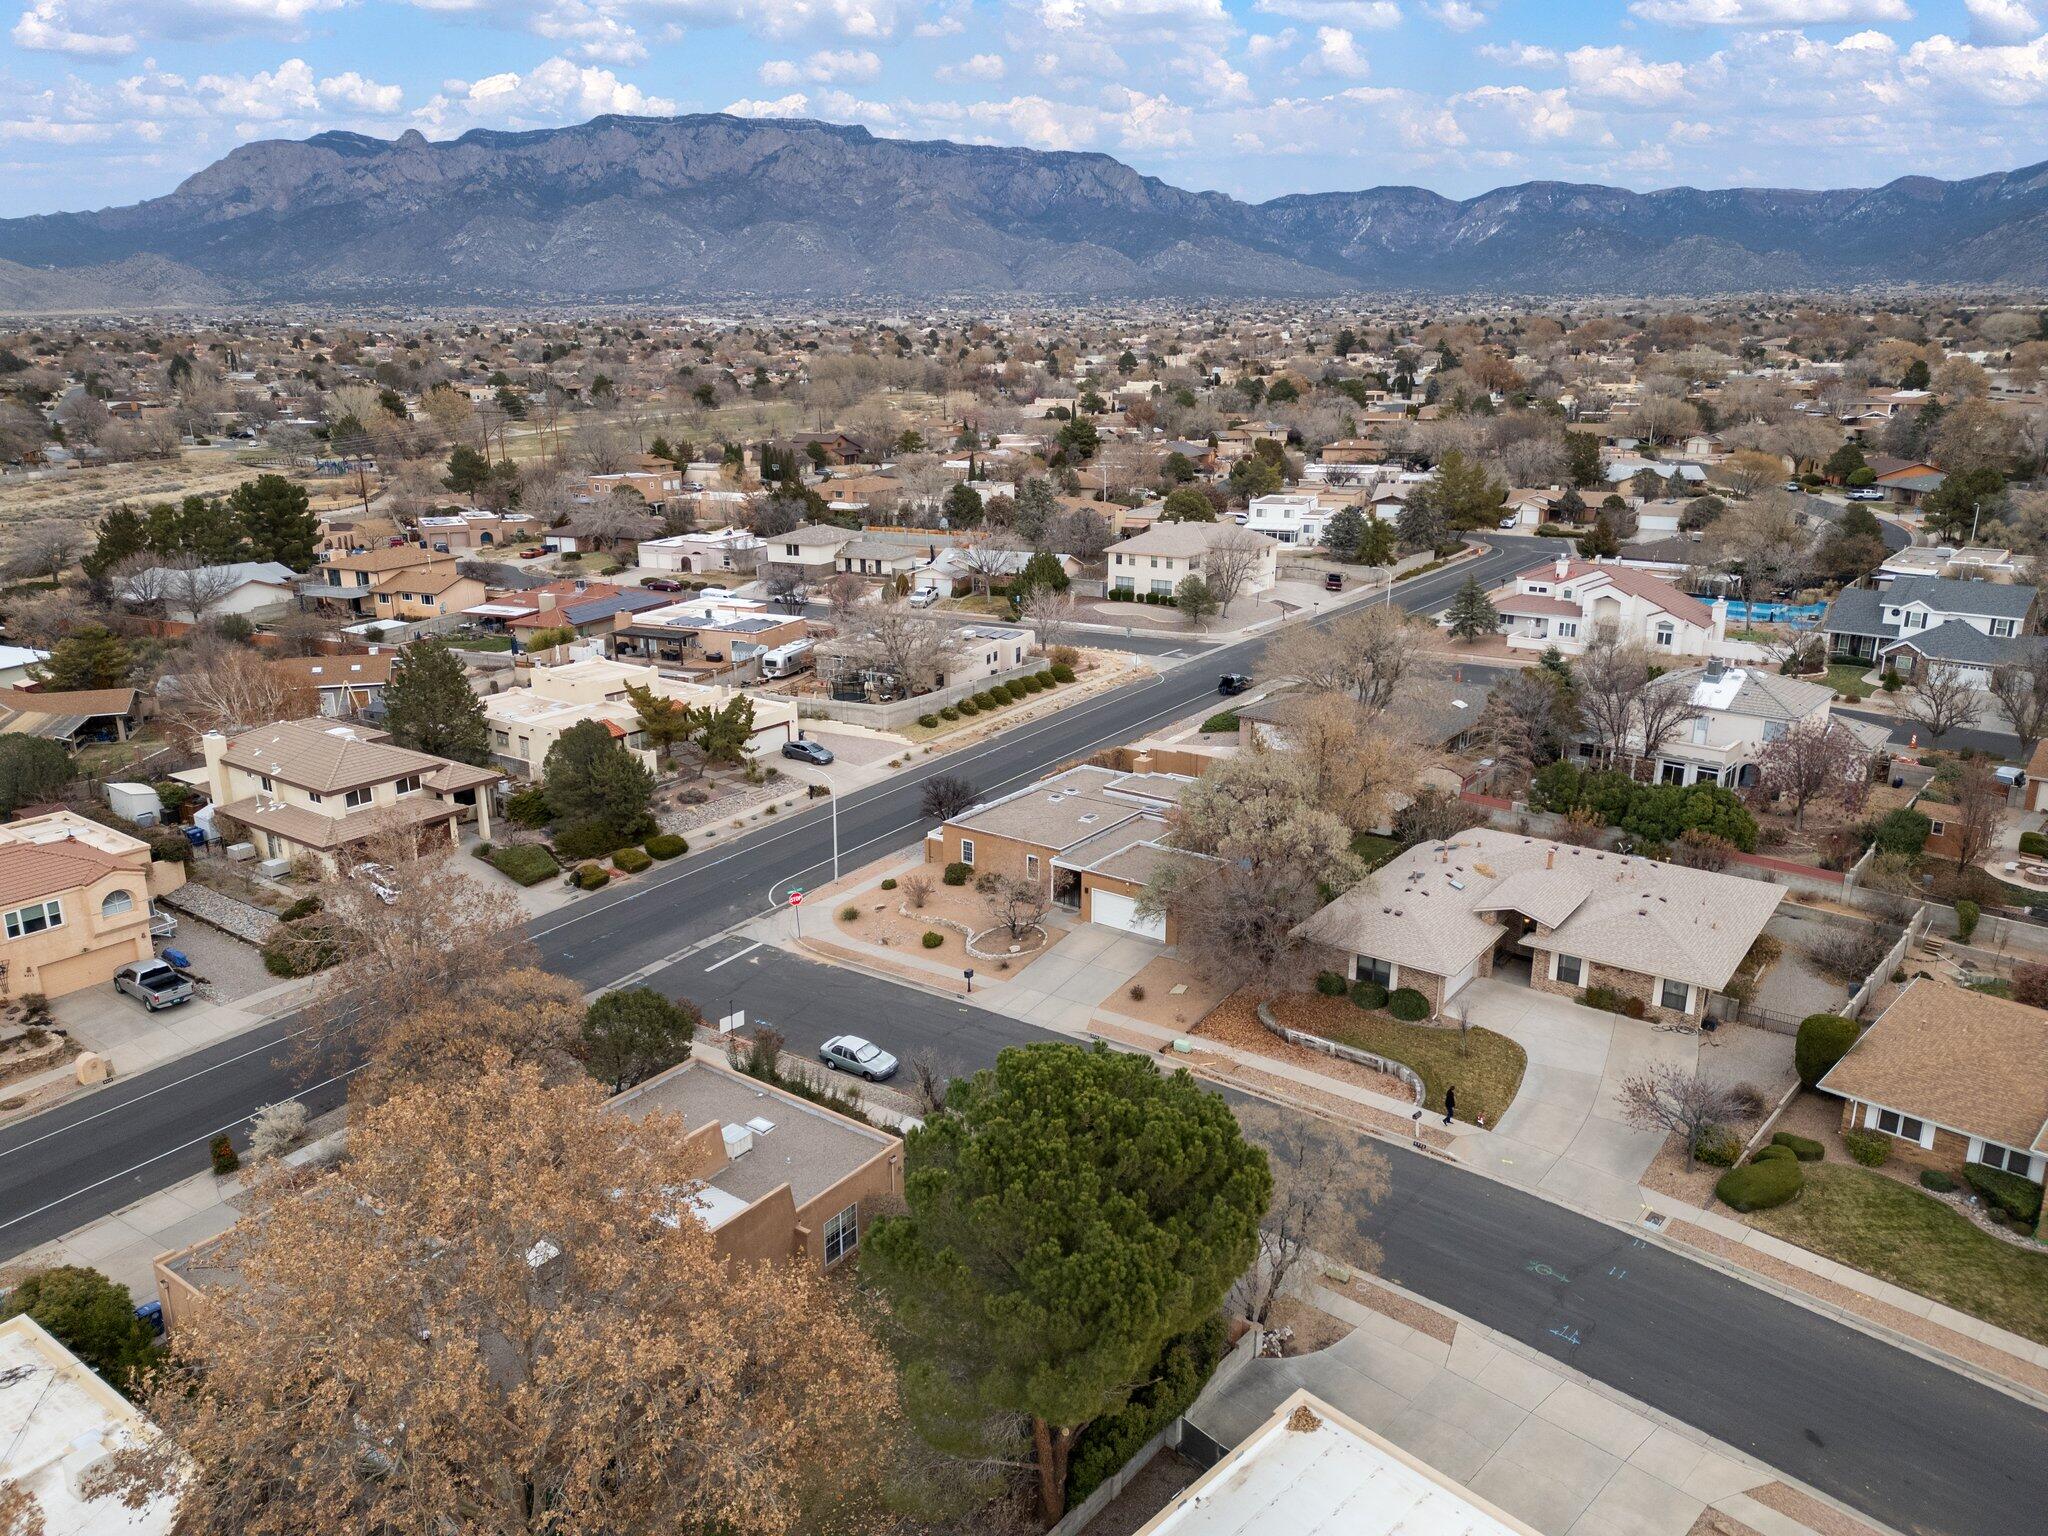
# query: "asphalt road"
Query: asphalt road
1907,1441
1997,743
103,1150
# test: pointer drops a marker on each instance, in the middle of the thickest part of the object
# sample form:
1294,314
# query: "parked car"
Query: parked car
850,1053
382,883
1866,493
807,751
153,984
1793,486
1233,683
1510,521
924,597
661,584
531,554
712,594
1333,581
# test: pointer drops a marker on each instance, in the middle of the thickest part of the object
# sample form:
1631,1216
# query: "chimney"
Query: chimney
547,602
1564,565
1550,858
215,747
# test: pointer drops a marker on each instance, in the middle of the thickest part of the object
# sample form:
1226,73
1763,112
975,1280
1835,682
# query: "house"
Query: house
526,721
18,664
352,580
1437,707
1953,1077
1310,1470
590,608
1489,903
345,685
74,902
2034,796
972,654
426,592
1916,620
318,791
1166,554
63,1423
1910,483
71,716
873,555
472,529
1090,838
1970,563
809,551
1562,602
242,587
345,535
721,550
719,635
1741,710
772,1175
1290,517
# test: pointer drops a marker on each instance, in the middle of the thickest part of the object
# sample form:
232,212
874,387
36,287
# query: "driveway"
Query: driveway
1564,1136
1062,990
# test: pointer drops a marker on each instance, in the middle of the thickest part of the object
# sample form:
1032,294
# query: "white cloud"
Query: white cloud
1264,44
2013,75
1374,15
41,130
1150,19
783,18
1220,80
1520,55
1536,114
550,93
796,104
45,27
596,29
1769,13
1458,15
1336,53
824,66
982,66
352,91
1621,74
2002,21
289,93
944,23
1150,122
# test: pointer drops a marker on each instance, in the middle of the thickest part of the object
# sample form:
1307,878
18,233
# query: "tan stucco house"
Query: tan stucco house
74,903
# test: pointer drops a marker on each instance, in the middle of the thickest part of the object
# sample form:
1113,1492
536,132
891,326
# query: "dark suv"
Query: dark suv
1233,682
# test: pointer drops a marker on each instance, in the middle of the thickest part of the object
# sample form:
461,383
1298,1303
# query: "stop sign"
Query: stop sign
796,898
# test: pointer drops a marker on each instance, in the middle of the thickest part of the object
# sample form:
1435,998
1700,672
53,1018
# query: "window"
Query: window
356,797
1162,587
114,903
1569,969
1776,730
313,795
34,918
1031,866
842,1234
1905,1127
1670,773
1567,629
1699,732
967,850
1675,996
1370,968
408,784
2001,629
1936,828
1666,634
264,780
2009,1158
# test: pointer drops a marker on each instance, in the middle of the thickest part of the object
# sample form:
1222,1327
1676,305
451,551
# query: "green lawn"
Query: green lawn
1900,1234
481,643
1220,723
1847,677
1485,1067
1374,851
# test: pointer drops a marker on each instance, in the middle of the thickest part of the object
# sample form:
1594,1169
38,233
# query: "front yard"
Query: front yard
1899,1233
1485,1067
1847,677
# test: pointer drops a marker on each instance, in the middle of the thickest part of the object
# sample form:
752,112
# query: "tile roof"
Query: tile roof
328,757
1966,1060
1182,540
1640,584
1632,914
33,870
309,829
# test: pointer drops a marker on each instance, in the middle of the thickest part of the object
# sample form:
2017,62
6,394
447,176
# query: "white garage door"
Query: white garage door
1114,911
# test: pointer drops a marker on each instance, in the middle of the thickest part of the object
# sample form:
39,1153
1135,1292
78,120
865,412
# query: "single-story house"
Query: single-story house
1953,1077
1090,837
345,684
526,722
18,663
241,587
1489,903
71,716
720,549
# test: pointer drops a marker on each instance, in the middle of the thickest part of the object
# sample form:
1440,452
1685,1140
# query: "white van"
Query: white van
786,660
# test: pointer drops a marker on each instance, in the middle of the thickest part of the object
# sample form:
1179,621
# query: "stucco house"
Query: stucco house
1559,918
74,903
1563,602
719,550
318,790
1166,554
527,721
1741,711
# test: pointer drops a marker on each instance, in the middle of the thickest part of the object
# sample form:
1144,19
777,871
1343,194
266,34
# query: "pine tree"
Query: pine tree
1471,614
1601,542
92,657
277,521
1376,544
430,707
589,777
122,532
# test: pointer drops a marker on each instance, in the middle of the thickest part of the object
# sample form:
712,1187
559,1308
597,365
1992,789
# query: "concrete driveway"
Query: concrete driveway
1062,990
1564,1136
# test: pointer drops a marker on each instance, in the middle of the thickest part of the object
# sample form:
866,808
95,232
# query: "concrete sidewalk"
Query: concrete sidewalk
1562,1452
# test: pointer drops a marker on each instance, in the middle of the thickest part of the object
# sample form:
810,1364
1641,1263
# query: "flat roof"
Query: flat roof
1310,1471
808,1148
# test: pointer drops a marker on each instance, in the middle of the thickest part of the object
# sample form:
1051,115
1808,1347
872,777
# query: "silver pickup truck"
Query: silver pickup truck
153,984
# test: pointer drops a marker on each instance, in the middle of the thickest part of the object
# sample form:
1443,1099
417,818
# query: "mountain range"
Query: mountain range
623,209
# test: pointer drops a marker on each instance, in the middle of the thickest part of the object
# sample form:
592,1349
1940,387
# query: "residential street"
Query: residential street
1905,1440
100,1151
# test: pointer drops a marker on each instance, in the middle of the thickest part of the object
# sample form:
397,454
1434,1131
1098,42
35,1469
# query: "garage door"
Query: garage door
1112,910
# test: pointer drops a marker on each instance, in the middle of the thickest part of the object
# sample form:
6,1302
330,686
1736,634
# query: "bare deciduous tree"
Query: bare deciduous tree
1679,1100
1014,904
905,650
1364,654
1944,700
45,549
1322,1190
1661,709
2021,688
1052,616
1980,804
192,587
228,688
1229,562
1612,675
1815,760
1357,767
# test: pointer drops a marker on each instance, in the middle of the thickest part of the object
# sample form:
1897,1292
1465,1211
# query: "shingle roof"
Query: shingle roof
1947,594
1764,695
327,757
1181,540
1958,641
1966,1060
1636,914
309,829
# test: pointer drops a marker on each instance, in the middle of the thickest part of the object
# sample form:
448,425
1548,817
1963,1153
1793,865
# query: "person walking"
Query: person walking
1450,1102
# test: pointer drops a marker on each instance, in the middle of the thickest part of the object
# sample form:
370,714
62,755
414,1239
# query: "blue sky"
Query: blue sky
109,101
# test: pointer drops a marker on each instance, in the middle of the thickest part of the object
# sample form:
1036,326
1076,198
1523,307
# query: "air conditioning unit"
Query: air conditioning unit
738,1141
274,869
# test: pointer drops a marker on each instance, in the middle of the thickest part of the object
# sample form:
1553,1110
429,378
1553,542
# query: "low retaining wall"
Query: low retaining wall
1350,1053
898,713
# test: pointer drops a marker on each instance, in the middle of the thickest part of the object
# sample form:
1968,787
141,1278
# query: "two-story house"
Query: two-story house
1562,603
1290,517
397,583
527,721
809,551
1922,621
1166,554
74,903
1741,711
317,790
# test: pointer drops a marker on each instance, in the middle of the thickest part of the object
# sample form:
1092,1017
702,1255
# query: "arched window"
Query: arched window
114,903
